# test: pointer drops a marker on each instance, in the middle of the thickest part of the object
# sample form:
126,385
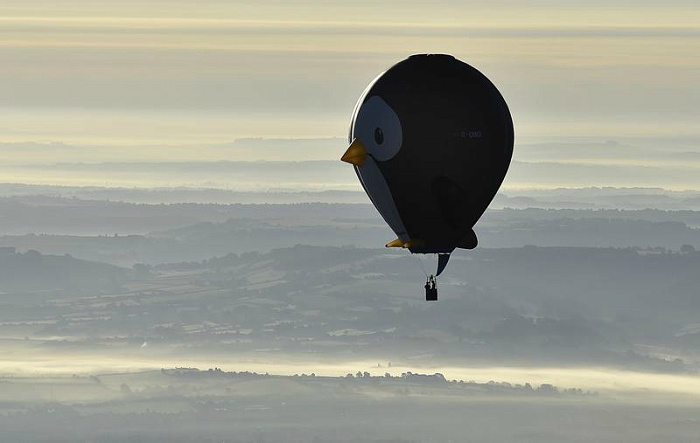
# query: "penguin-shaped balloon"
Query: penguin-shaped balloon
431,140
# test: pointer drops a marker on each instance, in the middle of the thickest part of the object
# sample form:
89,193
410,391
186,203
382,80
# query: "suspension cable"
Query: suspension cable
420,264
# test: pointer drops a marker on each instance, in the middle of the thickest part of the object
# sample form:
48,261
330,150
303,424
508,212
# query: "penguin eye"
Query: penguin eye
378,136
379,129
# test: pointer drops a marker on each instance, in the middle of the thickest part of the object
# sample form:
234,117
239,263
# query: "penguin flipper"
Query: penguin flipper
468,241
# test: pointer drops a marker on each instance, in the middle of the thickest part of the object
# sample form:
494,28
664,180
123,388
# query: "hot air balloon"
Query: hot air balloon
431,140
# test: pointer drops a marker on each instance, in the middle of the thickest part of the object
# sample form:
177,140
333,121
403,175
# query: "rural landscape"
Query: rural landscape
230,315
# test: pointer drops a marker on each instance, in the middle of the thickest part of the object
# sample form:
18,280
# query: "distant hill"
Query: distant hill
157,234
32,271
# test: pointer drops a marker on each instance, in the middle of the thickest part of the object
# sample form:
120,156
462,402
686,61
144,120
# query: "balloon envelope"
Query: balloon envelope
431,142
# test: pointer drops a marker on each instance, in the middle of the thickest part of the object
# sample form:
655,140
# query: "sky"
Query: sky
610,86
171,72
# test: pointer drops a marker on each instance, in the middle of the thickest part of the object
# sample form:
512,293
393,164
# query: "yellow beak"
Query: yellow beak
355,154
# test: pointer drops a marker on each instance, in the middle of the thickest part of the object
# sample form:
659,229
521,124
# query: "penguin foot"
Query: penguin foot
398,243
414,243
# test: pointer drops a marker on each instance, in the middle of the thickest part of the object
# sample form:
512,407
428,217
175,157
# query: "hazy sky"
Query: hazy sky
174,72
